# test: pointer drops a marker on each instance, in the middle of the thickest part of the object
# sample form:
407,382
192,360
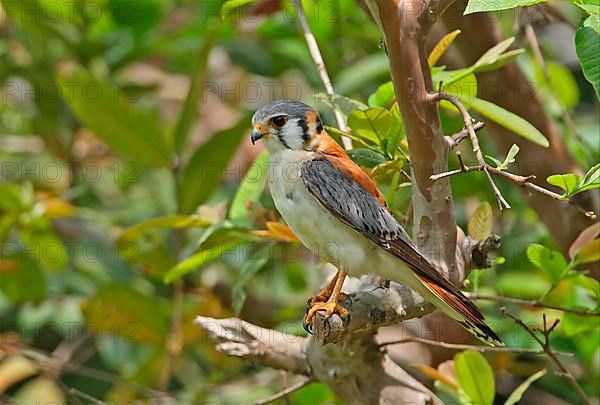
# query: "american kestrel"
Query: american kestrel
336,210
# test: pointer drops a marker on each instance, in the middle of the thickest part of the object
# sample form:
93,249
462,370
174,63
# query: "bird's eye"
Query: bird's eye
279,121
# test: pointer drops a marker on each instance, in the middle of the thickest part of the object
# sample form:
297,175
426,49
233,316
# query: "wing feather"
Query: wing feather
360,209
348,201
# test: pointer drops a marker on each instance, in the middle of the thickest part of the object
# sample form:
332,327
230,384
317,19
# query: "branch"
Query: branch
317,58
436,97
531,304
372,306
259,345
523,181
454,139
544,342
471,347
346,368
283,393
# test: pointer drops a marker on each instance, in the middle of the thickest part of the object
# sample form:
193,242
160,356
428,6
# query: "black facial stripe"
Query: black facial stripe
304,125
319,125
282,140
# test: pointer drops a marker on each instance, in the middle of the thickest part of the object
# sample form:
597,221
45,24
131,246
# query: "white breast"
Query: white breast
318,229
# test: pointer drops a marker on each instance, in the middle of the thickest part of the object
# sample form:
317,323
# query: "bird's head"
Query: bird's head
286,124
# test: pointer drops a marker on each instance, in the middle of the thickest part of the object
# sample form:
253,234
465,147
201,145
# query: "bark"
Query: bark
405,25
508,87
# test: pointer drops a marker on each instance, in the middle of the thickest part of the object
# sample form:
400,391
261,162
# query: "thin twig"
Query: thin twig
523,181
83,395
470,347
544,342
285,392
435,97
455,139
531,304
315,53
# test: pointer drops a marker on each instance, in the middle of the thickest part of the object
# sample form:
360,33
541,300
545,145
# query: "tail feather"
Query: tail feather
454,304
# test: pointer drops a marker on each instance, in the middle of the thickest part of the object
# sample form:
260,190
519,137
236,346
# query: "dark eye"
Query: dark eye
279,121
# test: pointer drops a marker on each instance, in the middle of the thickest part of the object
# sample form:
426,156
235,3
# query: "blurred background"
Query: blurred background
130,203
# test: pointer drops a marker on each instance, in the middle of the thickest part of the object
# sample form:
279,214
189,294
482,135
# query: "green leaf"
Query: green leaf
204,171
517,394
342,103
465,86
189,109
491,55
230,7
496,162
573,183
480,223
366,157
591,180
372,124
567,182
510,157
40,387
22,279
562,83
551,262
120,309
338,134
475,377
478,6
250,188
587,43
205,255
250,268
526,285
501,61
573,324
169,221
134,133
590,285
493,58
383,96
507,119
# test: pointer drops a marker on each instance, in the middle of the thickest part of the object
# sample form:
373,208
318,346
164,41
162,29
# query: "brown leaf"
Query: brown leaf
480,223
590,252
277,230
586,236
437,375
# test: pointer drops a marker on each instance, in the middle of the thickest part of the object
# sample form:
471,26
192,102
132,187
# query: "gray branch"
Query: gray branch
356,361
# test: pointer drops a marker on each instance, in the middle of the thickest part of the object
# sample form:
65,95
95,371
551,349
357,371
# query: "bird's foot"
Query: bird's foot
320,298
330,307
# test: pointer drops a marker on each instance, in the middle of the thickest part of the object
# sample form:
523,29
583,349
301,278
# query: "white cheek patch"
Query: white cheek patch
292,134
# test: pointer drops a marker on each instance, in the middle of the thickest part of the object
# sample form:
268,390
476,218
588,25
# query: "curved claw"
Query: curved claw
308,327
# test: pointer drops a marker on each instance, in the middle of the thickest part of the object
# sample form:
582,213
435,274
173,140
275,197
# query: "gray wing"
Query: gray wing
352,204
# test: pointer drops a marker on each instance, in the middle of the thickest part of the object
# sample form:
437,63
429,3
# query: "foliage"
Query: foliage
131,199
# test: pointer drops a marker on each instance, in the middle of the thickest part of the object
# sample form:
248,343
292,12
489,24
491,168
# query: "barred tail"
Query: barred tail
454,304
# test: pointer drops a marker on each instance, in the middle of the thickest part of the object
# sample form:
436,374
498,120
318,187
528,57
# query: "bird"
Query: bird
337,211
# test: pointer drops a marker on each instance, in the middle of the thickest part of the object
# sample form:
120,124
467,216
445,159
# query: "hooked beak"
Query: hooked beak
256,134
